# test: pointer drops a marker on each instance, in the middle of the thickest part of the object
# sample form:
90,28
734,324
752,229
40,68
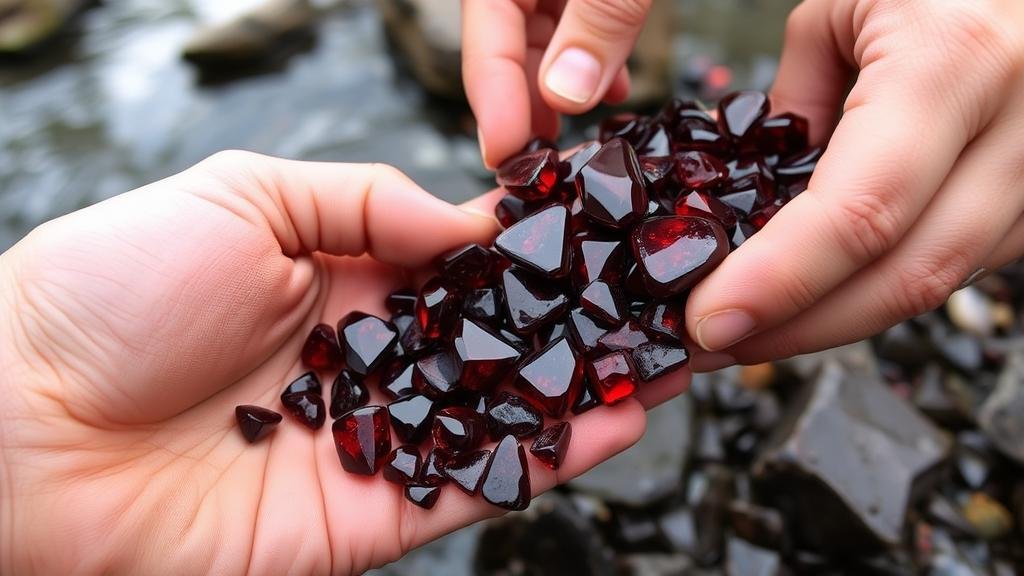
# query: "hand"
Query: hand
524,61
132,328
920,185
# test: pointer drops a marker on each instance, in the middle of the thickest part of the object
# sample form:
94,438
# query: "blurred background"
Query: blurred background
899,455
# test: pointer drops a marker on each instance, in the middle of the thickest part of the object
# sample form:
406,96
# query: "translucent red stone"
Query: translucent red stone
612,186
436,375
483,359
603,302
698,170
658,170
531,175
587,400
511,209
613,377
401,302
396,381
457,429
470,266
584,331
484,305
362,439
530,302
437,308
411,417
414,342
466,470
308,382
347,393
740,112
432,471
705,205
551,378
507,477
511,414
743,201
255,422
783,134
674,253
552,445
626,337
539,242
657,141
422,496
663,320
368,342
626,125
596,258
307,407
321,350
577,161
402,465
656,359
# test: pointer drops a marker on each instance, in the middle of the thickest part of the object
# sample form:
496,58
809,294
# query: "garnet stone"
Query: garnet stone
422,496
369,342
321,350
663,320
539,242
656,359
530,176
431,473
362,439
584,331
347,393
699,169
484,359
613,376
458,428
507,477
411,417
306,407
437,308
511,414
602,301
396,382
740,112
552,445
436,375
469,266
529,301
612,186
308,382
402,465
594,258
673,253
255,422
466,470
551,378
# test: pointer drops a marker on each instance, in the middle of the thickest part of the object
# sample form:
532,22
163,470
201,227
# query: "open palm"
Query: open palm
132,328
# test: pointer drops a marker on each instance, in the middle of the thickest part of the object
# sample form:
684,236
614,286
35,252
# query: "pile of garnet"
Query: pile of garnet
578,302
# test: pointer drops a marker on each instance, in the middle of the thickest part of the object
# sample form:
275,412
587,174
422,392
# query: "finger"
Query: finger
494,72
589,47
544,122
1009,250
663,389
619,90
955,236
346,209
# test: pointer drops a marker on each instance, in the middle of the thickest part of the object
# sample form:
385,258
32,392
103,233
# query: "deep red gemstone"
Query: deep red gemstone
551,378
698,169
587,400
703,204
629,126
539,242
742,202
612,186
530,302
740,234
664,321
401,302
740,112
321,350
431,473
784,134
761,217
675,252
308,382
414,342
457,429
507,477
306,407
510,210
347,393
613,376
515,340
657,142
422,496
603,302
468,267
628,336
577,161
658,170
530,175
368,342
411,417
436,375
675,108
255,422
552,445
654,359
483,358
596,258
402,465
362,439
396,382
743,169
635,284
511,414
437,308
466,470
696,130
584,331
549,334
484,305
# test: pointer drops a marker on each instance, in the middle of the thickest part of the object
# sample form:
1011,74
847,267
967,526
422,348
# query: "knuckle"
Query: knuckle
869,226
925,284
611,19
229,159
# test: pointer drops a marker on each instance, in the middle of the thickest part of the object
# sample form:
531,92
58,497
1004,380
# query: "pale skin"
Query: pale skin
919,187
132,329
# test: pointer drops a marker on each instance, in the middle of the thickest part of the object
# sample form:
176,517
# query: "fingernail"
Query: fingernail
574,75
483,150
974,277
479,213
723,329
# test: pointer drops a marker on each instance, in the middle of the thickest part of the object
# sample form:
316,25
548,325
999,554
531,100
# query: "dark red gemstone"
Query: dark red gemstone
696,130
742,170
784,134
396,382
530,175
596,258
530,302
703,204
411,417
551,378
603,302
515,340
664,321
799,168
362,439
577,161
401,302
742,202
431,473
658,170
457,429
321,350
578,220
414,342
484,359
549,334
510,210
470,266
635,284
401,323
584,331
436,375
423,496
613,377
485,305
698,169
507,477
628,336
761,217
629,126
347,393
654,359
587,400
612,186
308,382
437,308
539,242
740,234
740,112
675,108
255,422
657,142
466,470
306,407
368,342
402,465
511,414
552,445
675,252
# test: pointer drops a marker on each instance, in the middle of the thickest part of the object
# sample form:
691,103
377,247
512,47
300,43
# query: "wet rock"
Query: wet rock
269,32
1000,417
26,24
698,529
858,357
745,559
932,395
973,459
550,537
904,345
851,451
971,311
636,531
655,565
758,525
961,351
650,470
710,446
944,513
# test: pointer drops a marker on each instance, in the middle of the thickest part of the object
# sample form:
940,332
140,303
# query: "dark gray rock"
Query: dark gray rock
759,525
847,461
698,529
656,565
745,559
1002,415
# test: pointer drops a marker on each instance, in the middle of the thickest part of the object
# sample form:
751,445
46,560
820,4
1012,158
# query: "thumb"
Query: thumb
589,47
